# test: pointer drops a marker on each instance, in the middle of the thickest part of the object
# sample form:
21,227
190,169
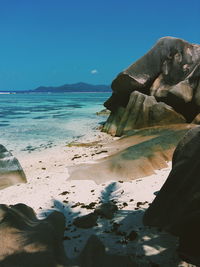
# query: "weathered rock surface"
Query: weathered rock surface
11,171
196,119
176,207
27,241
142,111
133,156
170,72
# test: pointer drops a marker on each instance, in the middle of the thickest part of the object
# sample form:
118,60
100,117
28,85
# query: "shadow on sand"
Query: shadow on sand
121,242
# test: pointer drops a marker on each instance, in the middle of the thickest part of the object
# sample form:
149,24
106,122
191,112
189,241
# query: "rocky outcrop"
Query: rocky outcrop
27,241
134,156
170,72
176,207
142,111
11,171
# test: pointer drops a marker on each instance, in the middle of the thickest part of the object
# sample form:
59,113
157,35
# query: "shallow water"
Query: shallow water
36,121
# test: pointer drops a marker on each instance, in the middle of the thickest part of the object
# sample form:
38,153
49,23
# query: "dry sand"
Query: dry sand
48,188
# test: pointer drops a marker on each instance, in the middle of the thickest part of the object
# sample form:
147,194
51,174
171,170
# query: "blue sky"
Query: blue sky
53,42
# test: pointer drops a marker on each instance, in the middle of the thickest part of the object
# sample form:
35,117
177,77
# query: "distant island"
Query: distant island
75,87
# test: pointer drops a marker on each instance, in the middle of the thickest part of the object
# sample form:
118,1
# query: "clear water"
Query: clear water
36,121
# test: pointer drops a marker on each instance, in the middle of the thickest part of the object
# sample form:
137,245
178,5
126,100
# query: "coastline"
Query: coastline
47,175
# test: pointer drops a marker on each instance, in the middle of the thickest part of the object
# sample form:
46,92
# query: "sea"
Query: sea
30,122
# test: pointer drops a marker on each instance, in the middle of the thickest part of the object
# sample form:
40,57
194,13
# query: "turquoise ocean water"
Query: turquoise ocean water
37,121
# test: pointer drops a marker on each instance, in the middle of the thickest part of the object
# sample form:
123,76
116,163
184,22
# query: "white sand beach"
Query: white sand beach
49,188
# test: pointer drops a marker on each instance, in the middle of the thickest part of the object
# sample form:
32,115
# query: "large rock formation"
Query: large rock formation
176,207
27,241
170,72
11,171
133,156
142,111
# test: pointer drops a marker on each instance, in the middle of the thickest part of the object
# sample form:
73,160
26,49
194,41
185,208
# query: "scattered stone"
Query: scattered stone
125,204
64,193
76,205
102,151
76,157
86,221
106,210
141,204
90,206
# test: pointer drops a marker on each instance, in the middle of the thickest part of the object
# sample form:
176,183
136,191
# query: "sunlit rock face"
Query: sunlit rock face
169,72
11,171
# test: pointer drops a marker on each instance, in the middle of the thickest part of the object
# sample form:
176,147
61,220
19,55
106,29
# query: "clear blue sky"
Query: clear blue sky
53,42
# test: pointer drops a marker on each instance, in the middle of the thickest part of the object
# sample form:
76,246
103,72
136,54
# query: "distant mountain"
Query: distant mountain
75,87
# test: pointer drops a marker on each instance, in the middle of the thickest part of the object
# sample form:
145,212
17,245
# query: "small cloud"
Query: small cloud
94,71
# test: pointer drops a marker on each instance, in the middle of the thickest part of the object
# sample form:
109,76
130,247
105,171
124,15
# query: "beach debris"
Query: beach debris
76,144
124,204
141,203
86,221
64,193
89,206
77,204
106,210
76,157
102,151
